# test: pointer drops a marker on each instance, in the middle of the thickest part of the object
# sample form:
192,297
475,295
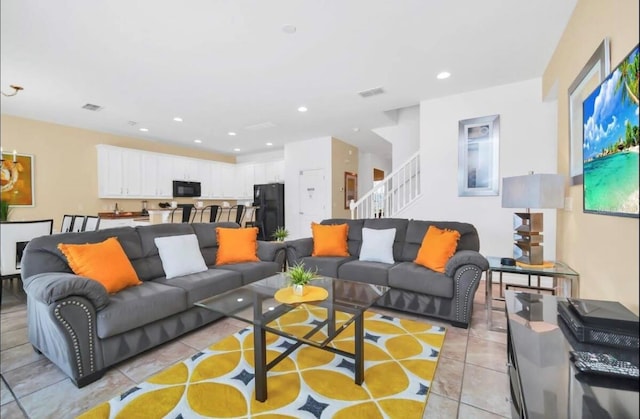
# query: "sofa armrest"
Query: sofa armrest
297,249
50,287
270,251
465,257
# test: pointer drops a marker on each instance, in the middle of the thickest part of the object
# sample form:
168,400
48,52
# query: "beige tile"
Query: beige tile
206,336
33,377
13,338
487,354
455,345
5,393
486,389
65,400
481,330
439,407
12,411
448,379
17,357
471,412
142,366
13,320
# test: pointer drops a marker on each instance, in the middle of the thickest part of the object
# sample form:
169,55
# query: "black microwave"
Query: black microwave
182,188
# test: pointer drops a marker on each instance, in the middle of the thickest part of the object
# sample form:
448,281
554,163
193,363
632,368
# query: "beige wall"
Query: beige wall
344,158
65,160
603,249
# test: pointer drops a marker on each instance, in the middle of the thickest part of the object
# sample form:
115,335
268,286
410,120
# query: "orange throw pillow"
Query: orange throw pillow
330,240
104,262
437,248
237,245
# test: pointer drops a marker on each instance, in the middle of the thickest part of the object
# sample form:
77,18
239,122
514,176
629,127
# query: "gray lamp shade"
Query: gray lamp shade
536,190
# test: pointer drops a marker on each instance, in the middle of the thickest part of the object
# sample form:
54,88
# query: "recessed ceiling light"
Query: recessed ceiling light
288,28
144,129
302,109
269,144
197,141
231,133
177,119
236,149
443,75
356,129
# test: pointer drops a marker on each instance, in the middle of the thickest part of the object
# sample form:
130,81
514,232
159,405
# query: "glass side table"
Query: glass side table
558,272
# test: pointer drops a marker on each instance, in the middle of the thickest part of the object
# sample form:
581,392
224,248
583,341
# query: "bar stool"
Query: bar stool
186,212
213,213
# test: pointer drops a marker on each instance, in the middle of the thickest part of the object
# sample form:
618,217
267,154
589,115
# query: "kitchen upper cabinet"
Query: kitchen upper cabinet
226,174
245,179
274,172
130,173
185,168
110,172
157,174
207,180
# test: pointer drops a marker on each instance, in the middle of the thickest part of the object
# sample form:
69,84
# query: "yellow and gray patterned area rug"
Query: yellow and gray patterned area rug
400,362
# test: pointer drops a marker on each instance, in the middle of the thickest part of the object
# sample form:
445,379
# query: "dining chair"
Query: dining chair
91,223
14,236
67,223
77,224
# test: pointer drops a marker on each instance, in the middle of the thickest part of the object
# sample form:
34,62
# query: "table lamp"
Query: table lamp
536,191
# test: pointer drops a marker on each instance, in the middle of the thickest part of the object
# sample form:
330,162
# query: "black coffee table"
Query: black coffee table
255,304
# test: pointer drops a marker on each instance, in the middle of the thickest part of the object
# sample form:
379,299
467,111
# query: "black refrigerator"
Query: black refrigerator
269,202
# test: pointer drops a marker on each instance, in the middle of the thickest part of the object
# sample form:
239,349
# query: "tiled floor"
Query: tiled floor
470,382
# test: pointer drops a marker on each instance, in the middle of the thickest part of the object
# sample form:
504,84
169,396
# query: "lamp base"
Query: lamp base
527,247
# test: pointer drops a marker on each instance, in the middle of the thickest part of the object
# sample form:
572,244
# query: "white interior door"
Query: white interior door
313,202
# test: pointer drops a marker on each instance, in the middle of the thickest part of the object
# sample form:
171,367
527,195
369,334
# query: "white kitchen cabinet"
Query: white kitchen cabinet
164,176
132,173
185,168
245,179
226,173
139,174
207,181
110,172
274,172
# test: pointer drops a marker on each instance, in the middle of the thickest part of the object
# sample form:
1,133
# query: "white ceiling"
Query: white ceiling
226,65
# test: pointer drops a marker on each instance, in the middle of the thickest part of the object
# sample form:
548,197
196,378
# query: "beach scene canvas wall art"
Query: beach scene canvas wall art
611,142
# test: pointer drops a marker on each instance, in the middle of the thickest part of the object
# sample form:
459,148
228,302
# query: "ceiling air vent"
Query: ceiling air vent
262,125
371,92
92,107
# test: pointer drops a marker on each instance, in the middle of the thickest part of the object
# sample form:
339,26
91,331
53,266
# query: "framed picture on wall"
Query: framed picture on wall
350,188
478,163
17,179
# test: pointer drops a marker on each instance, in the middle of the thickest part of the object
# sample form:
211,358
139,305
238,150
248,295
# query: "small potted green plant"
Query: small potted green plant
299,277
280,234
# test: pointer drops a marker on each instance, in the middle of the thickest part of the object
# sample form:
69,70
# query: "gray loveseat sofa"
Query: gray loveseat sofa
83,330
414,288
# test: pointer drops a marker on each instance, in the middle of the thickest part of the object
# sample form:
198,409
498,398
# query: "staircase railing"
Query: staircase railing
394,193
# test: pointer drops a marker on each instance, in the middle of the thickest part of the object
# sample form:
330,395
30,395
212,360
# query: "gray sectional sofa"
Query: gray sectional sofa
414,288
84,330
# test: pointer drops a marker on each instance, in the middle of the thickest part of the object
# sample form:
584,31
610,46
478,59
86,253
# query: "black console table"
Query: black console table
544,382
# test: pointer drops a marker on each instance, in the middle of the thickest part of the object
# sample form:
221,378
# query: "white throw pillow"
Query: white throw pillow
180,255
377,245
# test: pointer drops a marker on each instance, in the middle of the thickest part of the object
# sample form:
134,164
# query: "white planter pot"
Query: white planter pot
298,290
